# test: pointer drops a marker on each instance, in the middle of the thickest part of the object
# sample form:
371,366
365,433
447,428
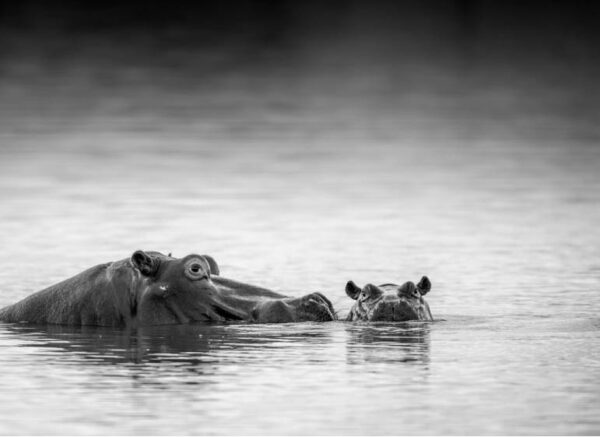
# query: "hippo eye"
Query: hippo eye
194,269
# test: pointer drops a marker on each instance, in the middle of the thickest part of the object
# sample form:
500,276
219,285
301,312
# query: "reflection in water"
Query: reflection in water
242,379
116,346
149,352
129,346
388,343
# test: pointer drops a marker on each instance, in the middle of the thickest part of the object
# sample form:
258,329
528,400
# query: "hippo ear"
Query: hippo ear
214,267
424,285
147,265
352,290
372,290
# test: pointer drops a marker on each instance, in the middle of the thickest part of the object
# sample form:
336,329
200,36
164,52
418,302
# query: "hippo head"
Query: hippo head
390,302
177,290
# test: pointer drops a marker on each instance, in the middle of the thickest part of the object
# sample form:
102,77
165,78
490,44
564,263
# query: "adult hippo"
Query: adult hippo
405,303
155,289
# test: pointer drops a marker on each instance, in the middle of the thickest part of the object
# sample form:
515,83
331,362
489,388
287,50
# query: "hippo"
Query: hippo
374,305
151,288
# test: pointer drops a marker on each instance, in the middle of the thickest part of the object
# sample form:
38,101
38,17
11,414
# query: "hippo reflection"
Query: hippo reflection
155,289
196,346
407,343
405,303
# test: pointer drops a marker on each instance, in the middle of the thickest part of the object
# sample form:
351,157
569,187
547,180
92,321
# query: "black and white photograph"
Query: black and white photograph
300,217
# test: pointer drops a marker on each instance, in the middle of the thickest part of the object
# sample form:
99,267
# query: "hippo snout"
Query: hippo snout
391,309
318,307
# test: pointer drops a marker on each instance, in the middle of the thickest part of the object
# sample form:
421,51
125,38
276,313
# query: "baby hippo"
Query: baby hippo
378,304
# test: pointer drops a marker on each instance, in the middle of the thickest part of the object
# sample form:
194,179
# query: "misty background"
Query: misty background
276,68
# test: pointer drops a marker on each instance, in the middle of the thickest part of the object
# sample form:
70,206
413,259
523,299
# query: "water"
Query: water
299,173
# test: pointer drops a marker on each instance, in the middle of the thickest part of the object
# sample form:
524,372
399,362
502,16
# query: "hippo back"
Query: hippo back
97,296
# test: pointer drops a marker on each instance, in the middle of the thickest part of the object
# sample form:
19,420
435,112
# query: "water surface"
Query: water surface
298,173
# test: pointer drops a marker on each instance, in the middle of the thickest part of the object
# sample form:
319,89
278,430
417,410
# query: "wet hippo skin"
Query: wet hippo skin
389,302
151,288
